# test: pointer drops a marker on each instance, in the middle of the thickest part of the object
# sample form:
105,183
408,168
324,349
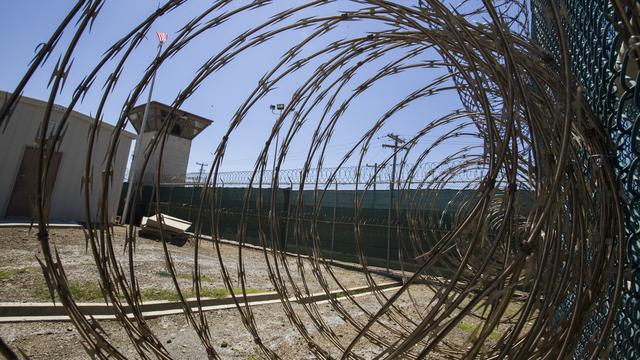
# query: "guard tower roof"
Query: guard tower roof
187,125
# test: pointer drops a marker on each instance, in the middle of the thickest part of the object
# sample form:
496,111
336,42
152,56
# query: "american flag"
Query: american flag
162,37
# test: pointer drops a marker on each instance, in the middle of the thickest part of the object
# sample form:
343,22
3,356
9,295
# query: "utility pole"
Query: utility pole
202,165
396,145
133,169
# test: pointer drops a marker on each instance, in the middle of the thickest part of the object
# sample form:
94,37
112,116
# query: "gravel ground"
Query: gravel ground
21,279
230,339
19,249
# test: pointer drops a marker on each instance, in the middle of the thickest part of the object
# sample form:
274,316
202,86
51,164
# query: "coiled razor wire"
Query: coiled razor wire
346,175
537,133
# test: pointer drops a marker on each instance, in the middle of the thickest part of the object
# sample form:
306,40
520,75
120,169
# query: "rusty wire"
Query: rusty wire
534,131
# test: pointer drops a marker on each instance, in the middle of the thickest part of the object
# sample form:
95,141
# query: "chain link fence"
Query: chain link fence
605,64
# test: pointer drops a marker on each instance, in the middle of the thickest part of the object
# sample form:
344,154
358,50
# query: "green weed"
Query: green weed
468,328
184,276
80,290
7,274
90,291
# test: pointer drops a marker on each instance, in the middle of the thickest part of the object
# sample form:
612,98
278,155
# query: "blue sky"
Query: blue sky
29,22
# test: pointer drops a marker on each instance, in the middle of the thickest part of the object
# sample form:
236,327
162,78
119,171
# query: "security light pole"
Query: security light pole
133,169
274,108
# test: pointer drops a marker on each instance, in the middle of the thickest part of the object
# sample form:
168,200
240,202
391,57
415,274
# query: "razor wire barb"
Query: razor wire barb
537,134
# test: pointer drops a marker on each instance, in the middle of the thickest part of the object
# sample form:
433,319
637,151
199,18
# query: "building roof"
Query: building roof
187,125
4,95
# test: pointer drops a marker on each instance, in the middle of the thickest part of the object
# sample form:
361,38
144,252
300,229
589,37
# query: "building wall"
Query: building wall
67,198
175,159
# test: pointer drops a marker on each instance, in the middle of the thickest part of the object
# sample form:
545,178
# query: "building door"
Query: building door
24,191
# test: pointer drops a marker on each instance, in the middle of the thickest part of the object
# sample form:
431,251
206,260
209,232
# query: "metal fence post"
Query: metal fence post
284,221
399,232
219,212
286,229
390,205
375,176
333,223
170,200
193,190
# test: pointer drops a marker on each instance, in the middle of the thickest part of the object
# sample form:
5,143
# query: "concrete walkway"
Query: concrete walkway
30,312
27,224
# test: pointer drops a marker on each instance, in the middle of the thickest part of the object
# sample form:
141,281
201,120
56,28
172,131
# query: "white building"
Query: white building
18,161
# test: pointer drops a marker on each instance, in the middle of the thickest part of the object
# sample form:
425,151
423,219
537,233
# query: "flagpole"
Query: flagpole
133,170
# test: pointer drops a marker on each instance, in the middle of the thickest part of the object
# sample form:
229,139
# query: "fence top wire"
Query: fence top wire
348,175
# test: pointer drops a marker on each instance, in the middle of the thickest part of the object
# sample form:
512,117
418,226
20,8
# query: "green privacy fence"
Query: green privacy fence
382,233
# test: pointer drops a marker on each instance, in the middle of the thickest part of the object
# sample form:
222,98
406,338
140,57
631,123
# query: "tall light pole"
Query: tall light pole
133,170
279,108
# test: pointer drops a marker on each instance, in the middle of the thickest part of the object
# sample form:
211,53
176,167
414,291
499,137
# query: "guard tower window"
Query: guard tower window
176,130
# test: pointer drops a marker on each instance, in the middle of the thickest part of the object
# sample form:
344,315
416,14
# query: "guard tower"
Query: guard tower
178,144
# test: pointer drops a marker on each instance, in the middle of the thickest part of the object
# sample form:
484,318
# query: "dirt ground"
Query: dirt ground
60,340
230,339
21,278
